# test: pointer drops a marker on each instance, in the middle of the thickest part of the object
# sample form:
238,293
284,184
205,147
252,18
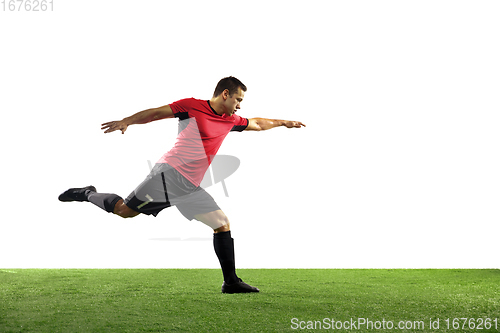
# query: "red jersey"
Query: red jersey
201,133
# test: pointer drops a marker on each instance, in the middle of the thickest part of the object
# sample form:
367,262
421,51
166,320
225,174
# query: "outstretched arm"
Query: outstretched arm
262,124
142,117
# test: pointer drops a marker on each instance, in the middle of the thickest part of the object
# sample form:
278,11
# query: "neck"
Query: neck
216,104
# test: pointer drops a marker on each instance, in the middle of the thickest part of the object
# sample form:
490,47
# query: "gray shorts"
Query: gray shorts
165,187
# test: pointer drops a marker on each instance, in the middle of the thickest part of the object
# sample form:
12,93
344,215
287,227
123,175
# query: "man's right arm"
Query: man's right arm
142,117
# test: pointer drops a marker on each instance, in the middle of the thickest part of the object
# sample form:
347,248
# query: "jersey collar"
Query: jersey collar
211,108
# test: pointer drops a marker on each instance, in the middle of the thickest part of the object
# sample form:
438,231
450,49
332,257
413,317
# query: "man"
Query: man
175,179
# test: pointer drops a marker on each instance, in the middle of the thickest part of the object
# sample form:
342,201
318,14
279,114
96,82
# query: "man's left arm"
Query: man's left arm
262,124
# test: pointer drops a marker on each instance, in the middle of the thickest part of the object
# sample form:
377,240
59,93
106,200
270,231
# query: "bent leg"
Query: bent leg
223,243
224,248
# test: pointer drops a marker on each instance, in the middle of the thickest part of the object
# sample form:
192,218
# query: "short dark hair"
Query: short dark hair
230,83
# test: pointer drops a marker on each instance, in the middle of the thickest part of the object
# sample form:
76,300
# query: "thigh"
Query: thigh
215,220
197,203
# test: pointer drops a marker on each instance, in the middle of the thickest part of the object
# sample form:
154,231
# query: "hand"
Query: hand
114,126
292,124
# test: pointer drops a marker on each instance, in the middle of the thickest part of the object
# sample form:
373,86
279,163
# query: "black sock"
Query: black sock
106,201
224,248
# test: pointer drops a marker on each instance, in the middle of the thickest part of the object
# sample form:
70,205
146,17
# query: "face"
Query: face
232,103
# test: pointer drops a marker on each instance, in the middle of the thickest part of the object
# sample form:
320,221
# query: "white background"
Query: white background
398,166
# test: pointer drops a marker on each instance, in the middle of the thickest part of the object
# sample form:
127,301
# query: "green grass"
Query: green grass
72,300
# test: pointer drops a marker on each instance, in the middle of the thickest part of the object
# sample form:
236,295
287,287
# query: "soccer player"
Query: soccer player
176,177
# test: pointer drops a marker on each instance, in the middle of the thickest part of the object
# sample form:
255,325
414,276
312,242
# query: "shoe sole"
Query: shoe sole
239,289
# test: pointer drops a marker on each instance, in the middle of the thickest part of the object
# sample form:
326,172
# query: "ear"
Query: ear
225,94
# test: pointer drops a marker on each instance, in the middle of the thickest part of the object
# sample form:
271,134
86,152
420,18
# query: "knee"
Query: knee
121,209
216,220
224,225
224,228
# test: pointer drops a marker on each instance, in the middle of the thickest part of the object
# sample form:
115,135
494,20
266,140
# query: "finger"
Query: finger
110,129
